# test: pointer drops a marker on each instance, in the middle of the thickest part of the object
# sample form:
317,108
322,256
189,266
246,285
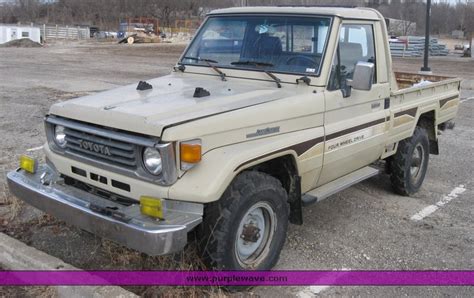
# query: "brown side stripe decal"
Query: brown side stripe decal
355,128
442,102
410,112
305,146
298,148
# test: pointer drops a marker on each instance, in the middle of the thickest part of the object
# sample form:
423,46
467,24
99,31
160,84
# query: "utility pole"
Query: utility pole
425,67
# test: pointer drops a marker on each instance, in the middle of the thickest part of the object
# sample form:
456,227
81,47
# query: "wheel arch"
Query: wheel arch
284,168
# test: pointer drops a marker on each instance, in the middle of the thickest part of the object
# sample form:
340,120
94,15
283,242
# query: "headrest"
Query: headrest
350,51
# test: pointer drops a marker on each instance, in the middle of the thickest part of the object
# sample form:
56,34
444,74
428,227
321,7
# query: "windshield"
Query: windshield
282,44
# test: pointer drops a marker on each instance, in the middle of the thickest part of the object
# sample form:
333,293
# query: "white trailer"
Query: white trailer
12,32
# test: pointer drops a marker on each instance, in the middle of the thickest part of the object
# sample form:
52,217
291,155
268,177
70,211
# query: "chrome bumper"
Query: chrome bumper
122,224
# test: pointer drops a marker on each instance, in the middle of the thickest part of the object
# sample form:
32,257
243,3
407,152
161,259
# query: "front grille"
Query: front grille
101,148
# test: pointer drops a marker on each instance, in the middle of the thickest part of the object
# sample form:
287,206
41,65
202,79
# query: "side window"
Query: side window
305,38
356,43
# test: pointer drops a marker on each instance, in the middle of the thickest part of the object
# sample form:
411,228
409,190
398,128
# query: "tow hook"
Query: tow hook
110,211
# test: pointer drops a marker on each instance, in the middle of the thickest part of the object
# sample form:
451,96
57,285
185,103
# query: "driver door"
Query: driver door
355,121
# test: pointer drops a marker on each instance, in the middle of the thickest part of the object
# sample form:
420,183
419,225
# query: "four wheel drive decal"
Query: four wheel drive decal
353,138
355,134
303,147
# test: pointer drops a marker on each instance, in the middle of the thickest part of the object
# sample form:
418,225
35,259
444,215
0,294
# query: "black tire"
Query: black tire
223,219
407,170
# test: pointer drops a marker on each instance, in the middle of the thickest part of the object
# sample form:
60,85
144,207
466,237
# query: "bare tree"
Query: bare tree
411,12
108,13
468,21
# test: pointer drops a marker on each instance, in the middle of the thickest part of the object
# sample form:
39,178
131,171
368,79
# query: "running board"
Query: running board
323,192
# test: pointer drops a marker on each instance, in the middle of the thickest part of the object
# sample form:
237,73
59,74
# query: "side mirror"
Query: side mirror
363,76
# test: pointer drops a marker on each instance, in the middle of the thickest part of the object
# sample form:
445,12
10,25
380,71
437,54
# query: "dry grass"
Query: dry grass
11,207
16,206
187,260
39,292
122,257
192,292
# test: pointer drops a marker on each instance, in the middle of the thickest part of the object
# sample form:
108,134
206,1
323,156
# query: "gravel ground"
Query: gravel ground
364,227
446,66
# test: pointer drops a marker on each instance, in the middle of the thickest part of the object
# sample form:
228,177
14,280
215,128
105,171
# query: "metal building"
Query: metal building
12,32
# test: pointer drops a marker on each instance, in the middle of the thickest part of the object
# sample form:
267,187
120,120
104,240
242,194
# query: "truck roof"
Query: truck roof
343,12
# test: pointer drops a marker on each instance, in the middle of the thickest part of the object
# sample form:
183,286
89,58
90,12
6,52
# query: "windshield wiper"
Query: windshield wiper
260,63
209,61
201,59
249,62
277,80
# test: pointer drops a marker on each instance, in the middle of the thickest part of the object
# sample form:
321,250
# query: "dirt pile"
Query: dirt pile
21,43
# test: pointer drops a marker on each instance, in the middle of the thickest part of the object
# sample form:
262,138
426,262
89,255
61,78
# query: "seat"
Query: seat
266,48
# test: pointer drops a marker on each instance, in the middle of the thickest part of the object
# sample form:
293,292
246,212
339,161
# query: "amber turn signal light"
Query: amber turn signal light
190,153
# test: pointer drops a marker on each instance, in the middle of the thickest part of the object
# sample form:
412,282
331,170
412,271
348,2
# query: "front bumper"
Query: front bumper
122,224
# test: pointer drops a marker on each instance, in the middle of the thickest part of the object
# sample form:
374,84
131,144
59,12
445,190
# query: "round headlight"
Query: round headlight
152,160
60,136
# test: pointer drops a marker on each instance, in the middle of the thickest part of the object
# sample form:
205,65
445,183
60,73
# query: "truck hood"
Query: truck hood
170,102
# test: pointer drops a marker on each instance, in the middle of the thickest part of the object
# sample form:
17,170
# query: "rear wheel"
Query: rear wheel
246,228
409,165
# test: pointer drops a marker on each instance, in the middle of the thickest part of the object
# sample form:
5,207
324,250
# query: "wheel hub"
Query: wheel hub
254,234
250,233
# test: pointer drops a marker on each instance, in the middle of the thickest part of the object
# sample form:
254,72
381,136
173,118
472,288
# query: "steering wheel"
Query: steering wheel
302,57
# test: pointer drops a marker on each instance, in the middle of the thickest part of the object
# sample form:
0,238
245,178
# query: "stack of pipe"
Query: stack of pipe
413,46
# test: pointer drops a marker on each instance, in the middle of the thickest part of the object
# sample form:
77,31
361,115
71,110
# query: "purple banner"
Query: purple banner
238,278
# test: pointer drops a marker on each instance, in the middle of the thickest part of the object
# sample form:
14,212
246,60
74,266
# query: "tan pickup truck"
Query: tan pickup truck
268,110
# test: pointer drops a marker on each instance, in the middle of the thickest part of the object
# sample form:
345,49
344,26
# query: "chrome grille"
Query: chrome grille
101,148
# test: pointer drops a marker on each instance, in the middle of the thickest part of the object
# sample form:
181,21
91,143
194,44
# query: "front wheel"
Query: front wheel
246,228
409,165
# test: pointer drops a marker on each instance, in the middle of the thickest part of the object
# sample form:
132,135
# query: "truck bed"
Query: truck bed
431,95
407,80
415,90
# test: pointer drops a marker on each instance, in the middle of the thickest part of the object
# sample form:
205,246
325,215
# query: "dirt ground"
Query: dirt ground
364,227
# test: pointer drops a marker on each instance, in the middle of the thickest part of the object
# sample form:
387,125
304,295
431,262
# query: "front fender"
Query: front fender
208,180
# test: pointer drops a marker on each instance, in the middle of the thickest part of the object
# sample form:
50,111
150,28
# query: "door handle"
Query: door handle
386,103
